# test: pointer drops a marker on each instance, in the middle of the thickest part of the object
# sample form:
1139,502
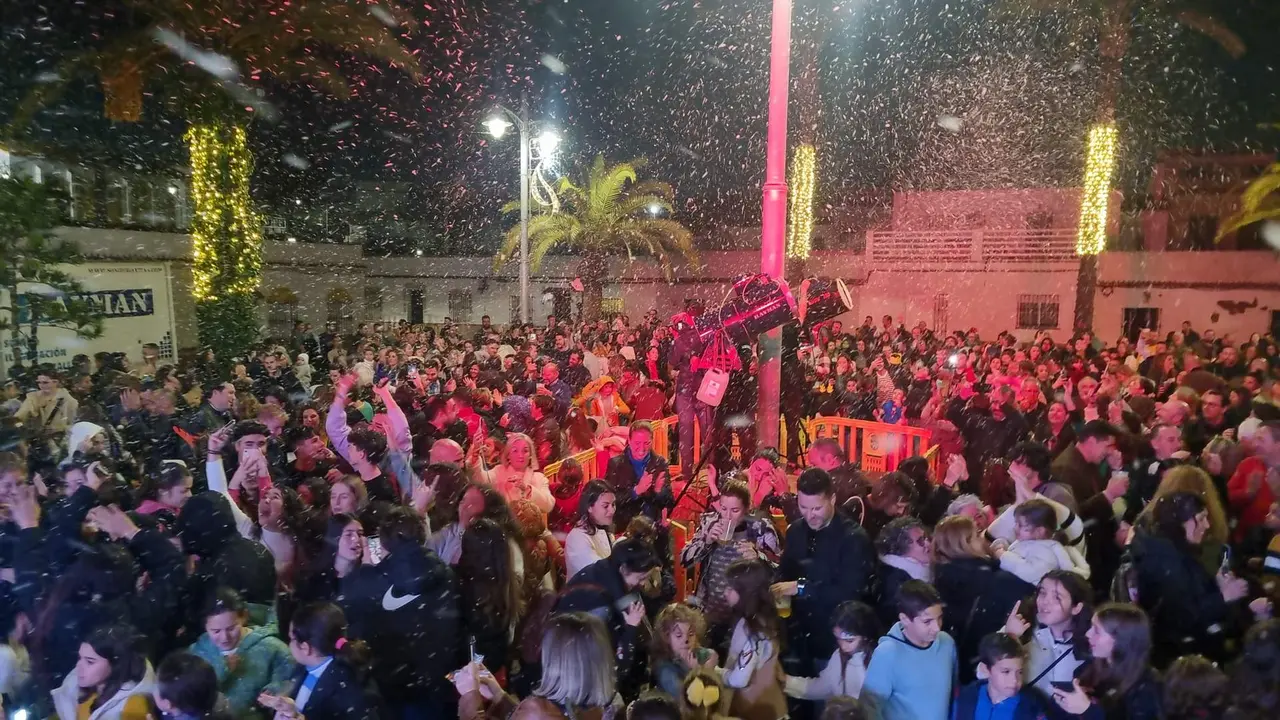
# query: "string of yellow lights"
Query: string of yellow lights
226,232
804,177
1100,162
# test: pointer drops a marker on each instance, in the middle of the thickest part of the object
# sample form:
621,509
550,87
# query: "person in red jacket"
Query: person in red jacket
1255,485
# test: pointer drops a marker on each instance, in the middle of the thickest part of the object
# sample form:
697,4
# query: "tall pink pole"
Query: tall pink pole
773,224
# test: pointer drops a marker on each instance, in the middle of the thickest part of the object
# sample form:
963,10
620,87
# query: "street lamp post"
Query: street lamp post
497,126
524,209
773,222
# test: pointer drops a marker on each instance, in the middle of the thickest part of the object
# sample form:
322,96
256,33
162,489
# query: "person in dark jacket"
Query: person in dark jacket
990,425
1000,692
977,595
207,529
609,590
847,480
640,479
1079,467
1118,683
406,609
827,560
100,586
686,359
906,553
1191,611
1146,472
329,684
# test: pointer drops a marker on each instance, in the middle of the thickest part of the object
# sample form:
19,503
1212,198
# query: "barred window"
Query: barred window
1038,312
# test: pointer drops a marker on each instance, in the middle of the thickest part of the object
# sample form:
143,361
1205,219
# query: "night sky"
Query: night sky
913,94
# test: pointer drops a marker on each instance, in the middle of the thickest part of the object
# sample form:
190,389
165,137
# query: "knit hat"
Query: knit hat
80,433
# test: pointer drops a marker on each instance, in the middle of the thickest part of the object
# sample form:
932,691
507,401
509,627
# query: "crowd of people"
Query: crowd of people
358,525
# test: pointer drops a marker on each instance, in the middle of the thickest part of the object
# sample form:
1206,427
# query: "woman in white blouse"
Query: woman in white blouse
591,538
516,475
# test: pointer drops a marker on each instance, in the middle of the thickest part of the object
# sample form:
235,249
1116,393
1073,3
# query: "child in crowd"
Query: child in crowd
998,692
890,412
676,647
1035,552
914,666
187,689
856,628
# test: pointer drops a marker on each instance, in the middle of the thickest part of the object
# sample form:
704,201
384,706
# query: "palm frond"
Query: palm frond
606,216
1213,29
1259,203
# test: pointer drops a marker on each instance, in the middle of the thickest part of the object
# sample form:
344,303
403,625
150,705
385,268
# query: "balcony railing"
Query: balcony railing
970,247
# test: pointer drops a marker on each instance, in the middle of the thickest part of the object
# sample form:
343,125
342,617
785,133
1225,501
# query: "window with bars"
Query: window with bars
460,305
373,303
1038,312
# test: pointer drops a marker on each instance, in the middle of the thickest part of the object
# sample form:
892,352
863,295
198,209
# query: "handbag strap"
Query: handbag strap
1052,665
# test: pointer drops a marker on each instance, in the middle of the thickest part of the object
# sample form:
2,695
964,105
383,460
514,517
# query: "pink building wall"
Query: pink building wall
1234,293
1038,208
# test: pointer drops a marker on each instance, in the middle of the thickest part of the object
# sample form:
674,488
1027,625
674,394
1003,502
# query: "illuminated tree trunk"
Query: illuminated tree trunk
226,236
1100,159
802,184
592,272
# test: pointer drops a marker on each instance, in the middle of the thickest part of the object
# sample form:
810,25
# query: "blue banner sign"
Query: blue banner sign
111,303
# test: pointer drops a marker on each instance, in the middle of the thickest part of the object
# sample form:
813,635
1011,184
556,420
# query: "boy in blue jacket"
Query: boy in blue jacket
913,668
999,694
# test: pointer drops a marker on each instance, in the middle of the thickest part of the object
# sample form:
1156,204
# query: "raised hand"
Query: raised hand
1015,624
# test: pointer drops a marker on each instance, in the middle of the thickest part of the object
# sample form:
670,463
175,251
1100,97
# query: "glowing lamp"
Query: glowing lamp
548,140
497,127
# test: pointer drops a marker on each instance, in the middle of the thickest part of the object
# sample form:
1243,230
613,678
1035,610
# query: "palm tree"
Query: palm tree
1259,204
1112,23
612,214
220,45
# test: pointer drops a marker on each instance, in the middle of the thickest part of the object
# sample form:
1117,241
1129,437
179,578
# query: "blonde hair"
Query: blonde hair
577,662
1189,478
671,616
957,537
512,439
357,486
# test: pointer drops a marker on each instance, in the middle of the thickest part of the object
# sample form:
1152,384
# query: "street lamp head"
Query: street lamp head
497,126
548,140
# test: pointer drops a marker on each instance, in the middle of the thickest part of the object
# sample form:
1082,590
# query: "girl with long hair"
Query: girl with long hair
1119,677
1055,635
328,685
1191,607
857,630
591,538
491,591
476,500
166,491
112,679
751,665
343,549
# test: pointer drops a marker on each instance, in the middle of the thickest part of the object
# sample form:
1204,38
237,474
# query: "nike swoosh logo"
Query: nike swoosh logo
391,603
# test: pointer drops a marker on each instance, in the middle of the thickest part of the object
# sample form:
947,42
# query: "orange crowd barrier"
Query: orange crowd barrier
876,447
